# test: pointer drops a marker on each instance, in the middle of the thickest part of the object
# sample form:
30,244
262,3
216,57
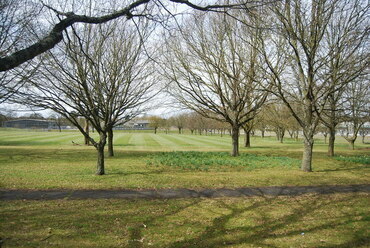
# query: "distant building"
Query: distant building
31,124
141,124
134,125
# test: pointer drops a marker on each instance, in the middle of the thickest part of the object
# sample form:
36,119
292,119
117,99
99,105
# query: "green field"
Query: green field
48,160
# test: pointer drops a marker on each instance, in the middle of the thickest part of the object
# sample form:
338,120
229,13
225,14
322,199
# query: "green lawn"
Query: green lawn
48,160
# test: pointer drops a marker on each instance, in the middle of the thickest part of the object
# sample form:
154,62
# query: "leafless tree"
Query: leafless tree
297,57
347,39
357,108
214,71
248,127
278,118
104,77
178,121
59,120
155,122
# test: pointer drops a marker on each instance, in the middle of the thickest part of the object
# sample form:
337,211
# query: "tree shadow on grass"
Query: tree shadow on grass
136,237
218,234
263,221
131,173
86,224
360,167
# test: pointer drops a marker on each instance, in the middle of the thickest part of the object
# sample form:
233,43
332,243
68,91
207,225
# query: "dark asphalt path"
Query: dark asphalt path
179,193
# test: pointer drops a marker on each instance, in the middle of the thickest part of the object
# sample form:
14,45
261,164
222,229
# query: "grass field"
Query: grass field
340,221
48,160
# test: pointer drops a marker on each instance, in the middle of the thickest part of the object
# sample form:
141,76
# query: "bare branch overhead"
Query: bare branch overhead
56,34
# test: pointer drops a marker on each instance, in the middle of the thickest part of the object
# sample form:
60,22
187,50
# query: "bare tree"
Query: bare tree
248,127
364,131
178,121
277,118
59,120
214,71
191,121
155,122
346,38
104,77
297,57
357,109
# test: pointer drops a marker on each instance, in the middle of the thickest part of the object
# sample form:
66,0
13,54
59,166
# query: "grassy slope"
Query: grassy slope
42,160
339,220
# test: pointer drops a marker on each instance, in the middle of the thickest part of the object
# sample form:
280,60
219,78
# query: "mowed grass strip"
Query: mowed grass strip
137,140
338,220
117,136
211,141
197,143
150,141
179,140
165,143
123,139
43,138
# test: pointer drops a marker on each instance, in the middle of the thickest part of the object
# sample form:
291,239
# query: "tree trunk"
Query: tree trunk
235,141
296,135
247,138
331,142
291,133
87,130
282,134
263,133
352,144
307,154
110,143
100,148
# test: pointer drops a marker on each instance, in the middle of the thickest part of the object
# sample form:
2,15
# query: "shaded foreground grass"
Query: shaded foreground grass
338,220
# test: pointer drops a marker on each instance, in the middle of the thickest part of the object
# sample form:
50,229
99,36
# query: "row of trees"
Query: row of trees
306,54
226,65
273,117
194,122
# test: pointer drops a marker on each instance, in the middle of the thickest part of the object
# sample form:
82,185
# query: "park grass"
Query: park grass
337,220
219,161
48,160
